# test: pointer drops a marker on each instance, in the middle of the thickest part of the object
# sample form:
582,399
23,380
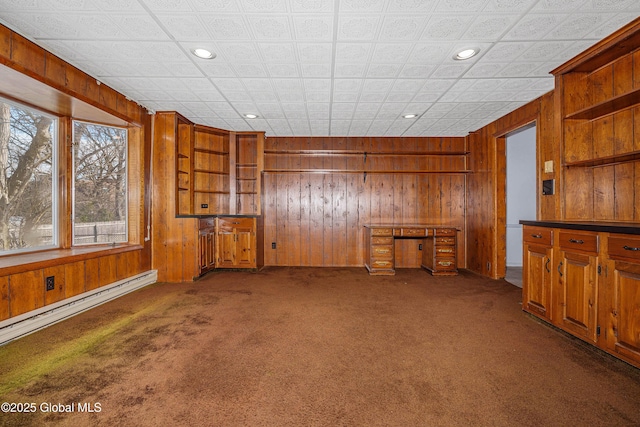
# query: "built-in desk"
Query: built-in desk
438,248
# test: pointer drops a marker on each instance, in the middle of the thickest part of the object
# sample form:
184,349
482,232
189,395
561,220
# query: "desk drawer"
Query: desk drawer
445,251
411,232
445,264
445,232
382,252
581,242
624,248
382,264
382,232
445,241
382,240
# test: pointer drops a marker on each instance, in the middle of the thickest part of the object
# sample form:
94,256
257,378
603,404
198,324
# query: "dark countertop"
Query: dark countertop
599,226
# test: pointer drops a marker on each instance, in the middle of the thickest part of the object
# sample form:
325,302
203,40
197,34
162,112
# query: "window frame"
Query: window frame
56,197
72,184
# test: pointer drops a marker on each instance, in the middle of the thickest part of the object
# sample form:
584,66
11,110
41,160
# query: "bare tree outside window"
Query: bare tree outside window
27,184
100,184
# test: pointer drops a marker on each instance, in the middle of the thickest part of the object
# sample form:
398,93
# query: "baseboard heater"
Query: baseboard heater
40,318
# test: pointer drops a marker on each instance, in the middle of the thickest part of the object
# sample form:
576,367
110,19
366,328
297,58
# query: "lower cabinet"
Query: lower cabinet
236,242
206,245
586,283
227,242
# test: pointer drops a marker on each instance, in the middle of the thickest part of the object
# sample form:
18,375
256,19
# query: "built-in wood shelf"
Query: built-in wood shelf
207,151
210,192
605,161
610,106
329,171
211,172
365,153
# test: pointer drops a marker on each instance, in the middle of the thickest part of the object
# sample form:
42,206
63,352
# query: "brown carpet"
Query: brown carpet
316,347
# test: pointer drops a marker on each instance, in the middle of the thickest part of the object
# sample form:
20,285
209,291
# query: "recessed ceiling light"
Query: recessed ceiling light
251,116
410,116
466,54
203,53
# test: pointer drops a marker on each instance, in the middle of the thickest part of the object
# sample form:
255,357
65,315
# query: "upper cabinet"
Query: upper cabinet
599,101
217,172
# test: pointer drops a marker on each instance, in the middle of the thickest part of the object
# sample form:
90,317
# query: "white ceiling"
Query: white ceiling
323,67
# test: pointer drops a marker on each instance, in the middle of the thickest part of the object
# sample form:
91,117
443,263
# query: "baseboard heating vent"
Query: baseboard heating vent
40,318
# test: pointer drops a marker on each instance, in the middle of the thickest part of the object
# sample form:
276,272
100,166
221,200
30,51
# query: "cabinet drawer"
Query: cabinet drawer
419,232
382,240
445,232
580,242
537,235
443,241
445,251
381,232
382,252
381,264
624,248
228,224
445,264
206,223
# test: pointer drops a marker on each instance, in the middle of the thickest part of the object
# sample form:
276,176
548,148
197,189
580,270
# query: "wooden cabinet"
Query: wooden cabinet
578,290
621,305
586,283
218,172
236,242
206,245
439,252
537,268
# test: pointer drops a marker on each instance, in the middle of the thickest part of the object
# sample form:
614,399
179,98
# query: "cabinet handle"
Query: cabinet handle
537,236
579,241
546,265
559,268
630,248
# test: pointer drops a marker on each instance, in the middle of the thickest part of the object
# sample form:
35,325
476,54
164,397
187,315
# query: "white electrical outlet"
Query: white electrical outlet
548,166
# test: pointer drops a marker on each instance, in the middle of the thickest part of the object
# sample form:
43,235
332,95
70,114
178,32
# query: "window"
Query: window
28,194
100,184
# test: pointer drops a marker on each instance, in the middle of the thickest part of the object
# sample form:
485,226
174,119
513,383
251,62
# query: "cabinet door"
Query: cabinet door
578,294
226,248
623,331
211,248
536,284
245,250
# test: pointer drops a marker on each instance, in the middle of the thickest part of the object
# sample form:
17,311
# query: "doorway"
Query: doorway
520,193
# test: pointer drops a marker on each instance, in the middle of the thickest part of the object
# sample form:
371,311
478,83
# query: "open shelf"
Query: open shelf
211,172
329,171
366,153
610,106
605,161
208,151
210,192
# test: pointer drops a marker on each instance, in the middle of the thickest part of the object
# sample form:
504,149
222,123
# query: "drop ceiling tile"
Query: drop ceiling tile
361,6
429,53
217,69
250,70
578,26
353,52
383,70
317,84
316,70
489,27
253,6
306,6
377,85
210,96
318,96
288,97
315,52
351,28
316,28
400,97
217,5
350,70
269,27
238,52
230,27
373,97
368,106
443,27
402,27
396,6
345,97
509,5
460,5
168,5
617,21
449,71
534,26
184,26
408,85
283,70
413,71
276,52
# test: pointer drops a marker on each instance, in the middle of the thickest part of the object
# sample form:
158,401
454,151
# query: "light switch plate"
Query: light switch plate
548,166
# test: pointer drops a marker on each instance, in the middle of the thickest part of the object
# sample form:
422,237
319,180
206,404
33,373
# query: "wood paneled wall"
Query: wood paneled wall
34,76
316,219
486,185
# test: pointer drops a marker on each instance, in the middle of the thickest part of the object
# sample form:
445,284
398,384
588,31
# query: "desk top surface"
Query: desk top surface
407,226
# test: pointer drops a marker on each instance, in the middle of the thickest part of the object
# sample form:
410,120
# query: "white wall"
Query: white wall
521,189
